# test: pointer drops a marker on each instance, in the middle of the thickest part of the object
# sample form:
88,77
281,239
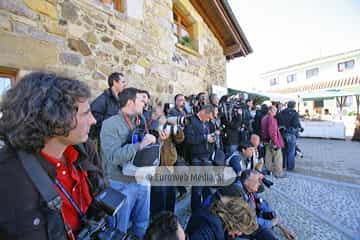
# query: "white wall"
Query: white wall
328,70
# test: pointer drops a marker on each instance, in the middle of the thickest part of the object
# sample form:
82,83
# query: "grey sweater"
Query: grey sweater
113,136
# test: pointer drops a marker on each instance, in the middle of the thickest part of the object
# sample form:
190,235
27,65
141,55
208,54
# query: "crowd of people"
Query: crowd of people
63,154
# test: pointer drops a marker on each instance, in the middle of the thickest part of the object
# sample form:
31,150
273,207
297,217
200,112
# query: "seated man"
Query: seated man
165,226
241,160
45,125
249,184
259,152
224,215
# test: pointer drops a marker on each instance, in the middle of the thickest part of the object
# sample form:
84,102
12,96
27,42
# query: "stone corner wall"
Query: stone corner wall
88,40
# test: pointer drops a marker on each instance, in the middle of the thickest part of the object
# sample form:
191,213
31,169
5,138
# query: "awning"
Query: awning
341,83
279,97
328,94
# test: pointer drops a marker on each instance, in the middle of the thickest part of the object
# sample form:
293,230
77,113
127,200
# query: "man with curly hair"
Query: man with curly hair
223,215
165,226
46,118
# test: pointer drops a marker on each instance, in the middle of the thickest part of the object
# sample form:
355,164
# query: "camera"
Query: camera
267,182
110,201
231,109
269,215
181,121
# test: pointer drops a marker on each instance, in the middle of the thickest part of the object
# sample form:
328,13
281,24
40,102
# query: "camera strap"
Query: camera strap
40,179
71,200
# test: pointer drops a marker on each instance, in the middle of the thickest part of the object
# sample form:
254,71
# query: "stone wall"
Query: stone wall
88,40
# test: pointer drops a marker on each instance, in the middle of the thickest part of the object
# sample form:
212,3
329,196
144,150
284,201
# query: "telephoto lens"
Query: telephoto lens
267,182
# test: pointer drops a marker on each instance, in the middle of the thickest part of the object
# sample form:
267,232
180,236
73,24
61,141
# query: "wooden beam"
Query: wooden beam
231,50
199,8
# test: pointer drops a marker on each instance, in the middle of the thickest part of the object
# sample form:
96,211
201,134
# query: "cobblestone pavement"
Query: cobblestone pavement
317,208
320,200
332,159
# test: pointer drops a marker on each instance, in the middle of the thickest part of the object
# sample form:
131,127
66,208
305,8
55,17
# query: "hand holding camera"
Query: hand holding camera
147,140
163,134
211,138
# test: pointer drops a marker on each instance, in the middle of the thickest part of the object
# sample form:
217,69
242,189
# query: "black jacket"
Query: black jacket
196,138
23,211
289,118
203,225
232,130
103,107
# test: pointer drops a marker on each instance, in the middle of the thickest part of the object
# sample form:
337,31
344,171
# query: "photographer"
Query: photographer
242,159
165,226
197,138
250,181
274,142
120,141
290,123
202,99
179,110
147,108
107,103
163,197
259,152
224,215
231,118
45,125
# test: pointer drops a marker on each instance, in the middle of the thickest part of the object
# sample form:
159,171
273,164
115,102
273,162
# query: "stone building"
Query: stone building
163,46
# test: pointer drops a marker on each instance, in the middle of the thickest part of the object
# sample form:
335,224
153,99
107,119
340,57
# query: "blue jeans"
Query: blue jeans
136,208
290,146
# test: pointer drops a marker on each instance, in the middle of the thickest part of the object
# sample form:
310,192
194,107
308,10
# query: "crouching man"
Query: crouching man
45,124
266,218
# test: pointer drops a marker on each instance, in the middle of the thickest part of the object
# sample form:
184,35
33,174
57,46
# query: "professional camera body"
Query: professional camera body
267,182
110,201
173,125
231,109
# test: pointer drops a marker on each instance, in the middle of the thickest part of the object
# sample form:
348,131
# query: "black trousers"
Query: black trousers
162,198
261,234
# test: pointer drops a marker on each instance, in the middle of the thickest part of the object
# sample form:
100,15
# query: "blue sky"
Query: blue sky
284,32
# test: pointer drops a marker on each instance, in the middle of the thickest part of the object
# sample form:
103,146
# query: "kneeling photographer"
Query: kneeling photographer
266,217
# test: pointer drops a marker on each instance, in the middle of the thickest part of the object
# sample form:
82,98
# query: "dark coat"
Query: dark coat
289,118
203,225
23,211
232,130
196,138
103,107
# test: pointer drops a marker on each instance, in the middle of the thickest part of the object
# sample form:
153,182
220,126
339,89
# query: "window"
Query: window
312,72
347,65
274,81
291,78
7,79
182,29
318,103
116,4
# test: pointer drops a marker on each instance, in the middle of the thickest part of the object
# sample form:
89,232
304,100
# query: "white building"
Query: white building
320,83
